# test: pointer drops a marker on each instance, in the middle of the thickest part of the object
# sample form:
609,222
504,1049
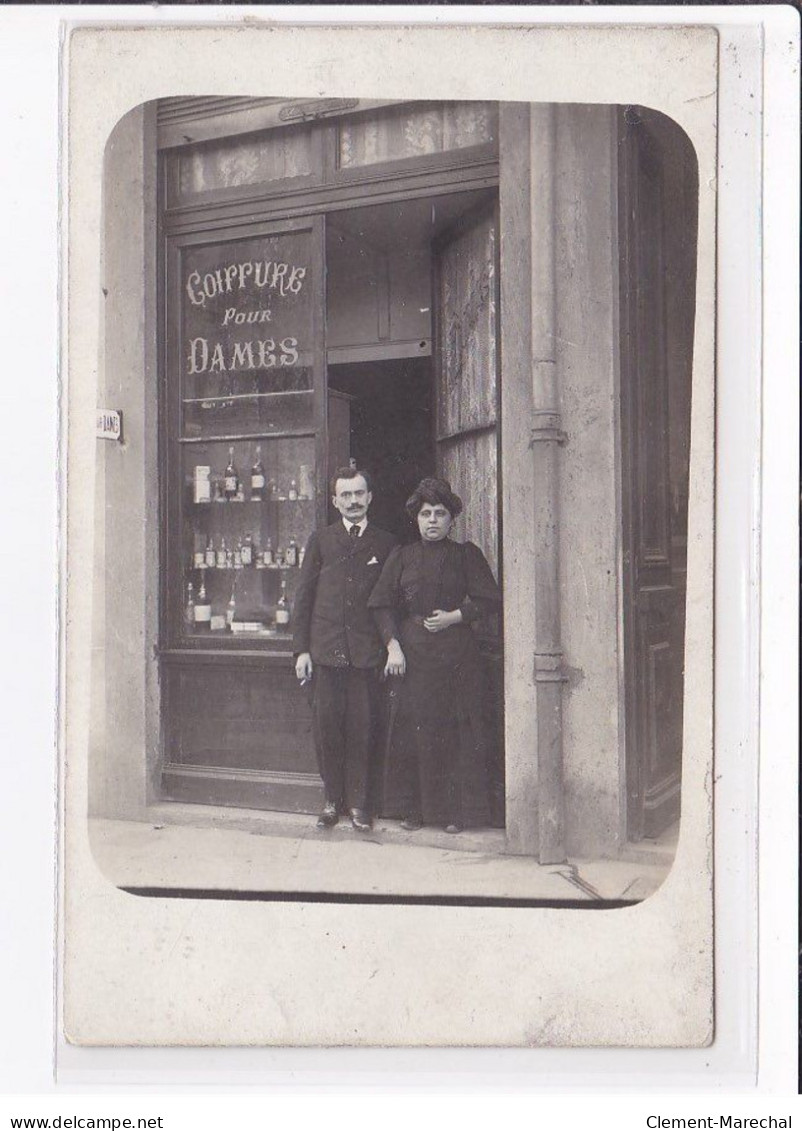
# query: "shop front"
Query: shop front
498,294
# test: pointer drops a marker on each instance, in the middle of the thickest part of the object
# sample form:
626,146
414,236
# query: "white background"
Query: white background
29,60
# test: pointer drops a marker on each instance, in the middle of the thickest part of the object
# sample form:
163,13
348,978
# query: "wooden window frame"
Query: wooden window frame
328,187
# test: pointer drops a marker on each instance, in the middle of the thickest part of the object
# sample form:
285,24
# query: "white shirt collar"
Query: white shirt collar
363,522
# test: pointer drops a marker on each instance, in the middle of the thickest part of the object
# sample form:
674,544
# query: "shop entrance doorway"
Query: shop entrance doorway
391,431
412,333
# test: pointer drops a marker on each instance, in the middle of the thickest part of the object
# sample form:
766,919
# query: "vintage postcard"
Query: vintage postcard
389,539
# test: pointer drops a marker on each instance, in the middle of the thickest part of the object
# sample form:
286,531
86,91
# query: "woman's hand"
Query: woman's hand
303,667
440,619
396,661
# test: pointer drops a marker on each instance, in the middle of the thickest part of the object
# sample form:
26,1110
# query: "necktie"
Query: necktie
354,531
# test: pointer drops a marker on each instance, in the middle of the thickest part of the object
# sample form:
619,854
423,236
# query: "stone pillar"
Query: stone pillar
125,724
586,269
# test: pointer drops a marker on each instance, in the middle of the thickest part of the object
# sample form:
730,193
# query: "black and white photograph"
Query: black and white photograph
422,452
394,480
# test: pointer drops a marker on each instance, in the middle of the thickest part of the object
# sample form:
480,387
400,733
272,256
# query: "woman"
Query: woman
427,598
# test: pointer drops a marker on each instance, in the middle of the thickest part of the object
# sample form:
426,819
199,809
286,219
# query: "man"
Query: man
338,647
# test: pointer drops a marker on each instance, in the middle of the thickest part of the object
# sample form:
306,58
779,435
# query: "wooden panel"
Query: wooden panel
238,718
471,467
661,712
375,299
493,659
410,296
287,793
339,432
466,297
467,384
651,396
352,291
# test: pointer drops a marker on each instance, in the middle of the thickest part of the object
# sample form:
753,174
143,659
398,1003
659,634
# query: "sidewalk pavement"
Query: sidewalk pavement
199,848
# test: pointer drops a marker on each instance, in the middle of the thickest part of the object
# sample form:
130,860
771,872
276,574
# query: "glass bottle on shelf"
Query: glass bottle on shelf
199,555
222,555
246,550
291,556
210,557
203,609
282,608
189,605
267,555
257,476
231,478
237,562
231,609
293,491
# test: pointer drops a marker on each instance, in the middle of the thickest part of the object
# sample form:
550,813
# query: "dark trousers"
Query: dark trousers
345,711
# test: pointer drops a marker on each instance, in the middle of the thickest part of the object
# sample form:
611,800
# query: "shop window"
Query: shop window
243,373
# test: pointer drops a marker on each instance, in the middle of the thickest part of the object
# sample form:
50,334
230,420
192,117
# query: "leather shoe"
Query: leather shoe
328,816
453,829
411,824
360,820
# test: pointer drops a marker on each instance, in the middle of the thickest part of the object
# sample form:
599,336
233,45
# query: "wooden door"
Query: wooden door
467,422
658,228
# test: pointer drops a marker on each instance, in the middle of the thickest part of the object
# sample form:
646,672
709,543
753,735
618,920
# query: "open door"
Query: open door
658,226
467,422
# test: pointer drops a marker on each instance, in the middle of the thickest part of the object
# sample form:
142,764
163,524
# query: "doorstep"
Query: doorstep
263,822
203,848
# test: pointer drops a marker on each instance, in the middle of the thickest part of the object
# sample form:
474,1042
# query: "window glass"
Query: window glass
275,155
250,508
241,374
411,130
246,336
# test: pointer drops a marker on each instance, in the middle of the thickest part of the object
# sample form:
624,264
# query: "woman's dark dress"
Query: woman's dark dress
436,767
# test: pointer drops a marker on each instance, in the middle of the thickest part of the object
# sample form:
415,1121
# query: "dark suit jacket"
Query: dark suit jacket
331,616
